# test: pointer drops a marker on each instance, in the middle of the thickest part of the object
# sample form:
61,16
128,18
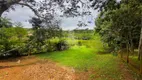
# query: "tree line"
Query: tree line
120,26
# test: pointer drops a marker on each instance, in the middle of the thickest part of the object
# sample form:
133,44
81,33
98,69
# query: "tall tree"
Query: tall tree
140,51
140,46
123,25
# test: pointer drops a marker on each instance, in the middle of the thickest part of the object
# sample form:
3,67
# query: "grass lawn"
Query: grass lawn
80,57
85,58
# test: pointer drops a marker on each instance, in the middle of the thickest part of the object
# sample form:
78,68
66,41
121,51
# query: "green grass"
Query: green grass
77,57
84,58
135,59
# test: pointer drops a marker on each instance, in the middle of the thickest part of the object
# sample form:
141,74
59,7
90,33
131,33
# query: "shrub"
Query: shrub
62,45
11,40
56,45
79,43
51,46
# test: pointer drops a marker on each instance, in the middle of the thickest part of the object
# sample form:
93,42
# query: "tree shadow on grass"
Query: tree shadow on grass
17,65
103,52
18,62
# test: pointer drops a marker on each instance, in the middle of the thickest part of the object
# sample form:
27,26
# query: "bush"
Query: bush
51,46
72,42
11,40
62,45
56,45
79,43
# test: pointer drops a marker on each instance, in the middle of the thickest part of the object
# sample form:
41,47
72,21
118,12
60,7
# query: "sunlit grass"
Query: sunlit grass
83,59
77,57
86,57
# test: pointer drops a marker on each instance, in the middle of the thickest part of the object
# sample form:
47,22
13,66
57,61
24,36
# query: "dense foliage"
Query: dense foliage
46,36
12,40
16,41
120,27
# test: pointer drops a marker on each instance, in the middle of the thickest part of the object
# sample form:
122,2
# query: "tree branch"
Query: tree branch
29,6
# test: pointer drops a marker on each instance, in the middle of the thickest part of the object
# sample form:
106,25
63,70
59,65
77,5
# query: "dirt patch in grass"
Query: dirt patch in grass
11,69
31,68
126,73
48,70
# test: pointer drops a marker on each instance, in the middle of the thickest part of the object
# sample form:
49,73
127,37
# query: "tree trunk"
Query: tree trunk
128,37
140,51
1,13
131,43
139,55
121,54
128,53
2,10
140,43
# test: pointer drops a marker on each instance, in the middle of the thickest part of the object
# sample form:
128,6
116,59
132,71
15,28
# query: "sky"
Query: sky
24,14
